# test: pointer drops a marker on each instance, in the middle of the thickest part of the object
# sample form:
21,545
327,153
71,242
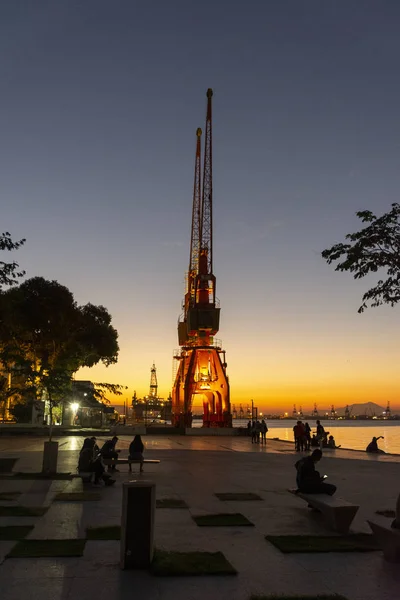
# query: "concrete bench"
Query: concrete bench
387,538
337,513
110,462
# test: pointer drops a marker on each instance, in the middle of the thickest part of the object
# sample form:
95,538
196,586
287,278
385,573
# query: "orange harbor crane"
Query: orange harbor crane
201,372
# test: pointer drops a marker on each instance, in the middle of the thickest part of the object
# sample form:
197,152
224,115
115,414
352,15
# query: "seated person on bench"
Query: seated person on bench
108,451
136,451
308,480
89,463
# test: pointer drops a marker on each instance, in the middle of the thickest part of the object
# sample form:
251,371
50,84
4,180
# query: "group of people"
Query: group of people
304,440
91,458
258,431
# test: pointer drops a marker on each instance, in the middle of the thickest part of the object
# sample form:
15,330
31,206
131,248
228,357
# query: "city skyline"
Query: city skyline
100,109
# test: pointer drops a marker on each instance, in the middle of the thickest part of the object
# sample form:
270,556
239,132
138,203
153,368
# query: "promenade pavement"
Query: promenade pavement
194,469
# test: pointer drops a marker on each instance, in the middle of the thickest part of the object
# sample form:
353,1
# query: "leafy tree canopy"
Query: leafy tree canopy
375,247
8,271
46,336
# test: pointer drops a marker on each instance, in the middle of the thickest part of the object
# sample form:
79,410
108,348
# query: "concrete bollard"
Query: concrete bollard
137,524
50,458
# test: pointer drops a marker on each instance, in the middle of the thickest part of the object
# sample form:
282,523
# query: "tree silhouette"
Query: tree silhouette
374,248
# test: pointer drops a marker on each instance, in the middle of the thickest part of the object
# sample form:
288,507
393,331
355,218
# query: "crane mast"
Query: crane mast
201,374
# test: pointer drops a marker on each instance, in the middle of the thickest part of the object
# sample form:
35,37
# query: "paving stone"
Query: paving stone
194,474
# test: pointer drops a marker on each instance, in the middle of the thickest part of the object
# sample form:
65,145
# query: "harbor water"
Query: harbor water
354,434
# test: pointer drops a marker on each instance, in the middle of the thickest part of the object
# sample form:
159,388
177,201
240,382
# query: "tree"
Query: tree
46,337
375,247
8,271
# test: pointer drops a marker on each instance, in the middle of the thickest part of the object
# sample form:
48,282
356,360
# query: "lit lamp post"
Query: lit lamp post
74,410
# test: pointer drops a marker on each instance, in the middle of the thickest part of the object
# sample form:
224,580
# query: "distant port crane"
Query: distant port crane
201,371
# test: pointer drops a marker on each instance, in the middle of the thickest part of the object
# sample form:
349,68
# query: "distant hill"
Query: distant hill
367,408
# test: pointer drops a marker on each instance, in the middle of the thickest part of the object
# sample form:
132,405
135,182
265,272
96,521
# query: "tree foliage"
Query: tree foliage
45,337
9,271
374,248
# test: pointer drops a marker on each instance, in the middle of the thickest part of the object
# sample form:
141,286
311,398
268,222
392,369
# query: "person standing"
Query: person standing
299,436
307,429
264,429
321,435
258,431
253,433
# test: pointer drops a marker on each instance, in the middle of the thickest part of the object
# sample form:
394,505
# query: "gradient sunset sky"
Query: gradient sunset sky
100,104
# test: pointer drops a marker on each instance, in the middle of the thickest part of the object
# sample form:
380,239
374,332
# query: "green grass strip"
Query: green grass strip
47,548
23,511
222,520
77,497
51,477
302,597
110,532
386,513
357,542
15,532
171,503
240,497
9,495
167,564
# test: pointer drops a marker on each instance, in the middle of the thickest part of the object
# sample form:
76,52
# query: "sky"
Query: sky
100,104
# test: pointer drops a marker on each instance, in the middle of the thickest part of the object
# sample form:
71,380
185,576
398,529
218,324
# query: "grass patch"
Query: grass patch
222,520
15,532
47,548
241,497
111,532
302,597
77,497
386,513
23,511
51,477
9,495
358,542
171,503
190,563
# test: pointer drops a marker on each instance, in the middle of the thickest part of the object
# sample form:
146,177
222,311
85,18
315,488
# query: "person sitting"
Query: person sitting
373,446
136,449
96,449
108,451
314,442
308,480
89,463
332,443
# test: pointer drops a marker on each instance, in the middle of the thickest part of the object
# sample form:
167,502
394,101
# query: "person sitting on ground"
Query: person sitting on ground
314,441
136,449
308,480
108,451
373,446
89,463
332,443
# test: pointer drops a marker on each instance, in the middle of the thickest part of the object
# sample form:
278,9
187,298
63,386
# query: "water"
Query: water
348,434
